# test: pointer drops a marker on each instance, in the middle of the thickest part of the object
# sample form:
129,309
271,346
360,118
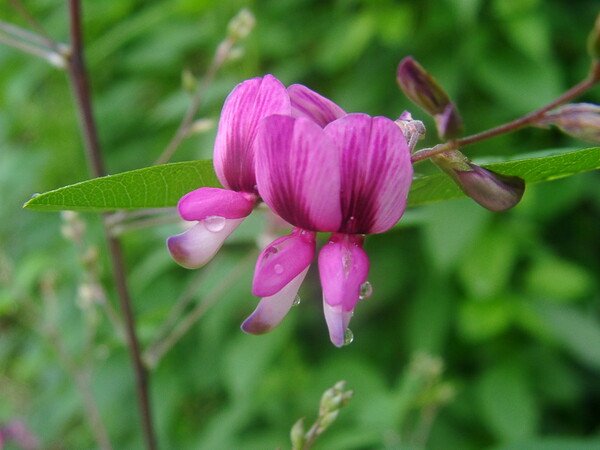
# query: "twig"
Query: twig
160,348
80,375
79,80
182,132
592,79
52,57
51,43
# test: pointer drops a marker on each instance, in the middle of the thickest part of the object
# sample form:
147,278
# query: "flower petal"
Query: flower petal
337,322
376,172
245,106
195,247
206,202
282,261
343,268
271,310
297,172
307,103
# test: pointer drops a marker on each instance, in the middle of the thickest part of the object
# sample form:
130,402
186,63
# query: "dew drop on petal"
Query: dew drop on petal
214,224
278,269
297,300
348,337
366,290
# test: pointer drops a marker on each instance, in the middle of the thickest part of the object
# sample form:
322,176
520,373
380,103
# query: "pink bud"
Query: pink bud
490,189
419,86
580,120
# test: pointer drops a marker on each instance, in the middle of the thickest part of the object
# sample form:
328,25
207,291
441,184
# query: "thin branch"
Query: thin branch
52,57
221,55
592,79
80,375
51,43
79,80
160,348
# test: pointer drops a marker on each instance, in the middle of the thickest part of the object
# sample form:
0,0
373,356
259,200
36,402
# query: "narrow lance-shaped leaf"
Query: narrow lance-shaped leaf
151,187
163,186
536,169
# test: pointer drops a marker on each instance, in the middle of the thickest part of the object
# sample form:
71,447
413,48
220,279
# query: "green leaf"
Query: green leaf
536,169
162,186
151,187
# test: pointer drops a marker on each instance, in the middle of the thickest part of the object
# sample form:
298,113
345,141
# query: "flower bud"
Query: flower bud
413,130
594,40
420,87
297,434
449,124
241,25
491,190
580,120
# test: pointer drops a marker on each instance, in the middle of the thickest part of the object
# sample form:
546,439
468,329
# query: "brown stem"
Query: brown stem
521,122
79,80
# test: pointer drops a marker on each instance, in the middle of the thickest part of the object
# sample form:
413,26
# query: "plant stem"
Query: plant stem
165,342
524,121
79,80
221,54
36,25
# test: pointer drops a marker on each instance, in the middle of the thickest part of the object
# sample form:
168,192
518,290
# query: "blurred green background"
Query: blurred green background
507,303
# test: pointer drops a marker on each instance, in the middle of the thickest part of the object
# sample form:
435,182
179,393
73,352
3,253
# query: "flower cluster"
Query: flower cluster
317,167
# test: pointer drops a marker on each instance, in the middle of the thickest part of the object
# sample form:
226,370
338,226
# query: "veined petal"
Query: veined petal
376,172
343,269
282,261
307,103
271,310
245,106
297,172
337,322
197,246
206,202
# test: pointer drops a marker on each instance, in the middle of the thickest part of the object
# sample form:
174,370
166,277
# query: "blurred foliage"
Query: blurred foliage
507,303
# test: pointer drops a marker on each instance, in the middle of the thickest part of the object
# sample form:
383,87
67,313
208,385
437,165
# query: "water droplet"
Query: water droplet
366,290
278,269
348,337
297,300
214,224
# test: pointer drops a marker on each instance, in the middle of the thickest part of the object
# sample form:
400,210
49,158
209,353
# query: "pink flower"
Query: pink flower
218,212
350,178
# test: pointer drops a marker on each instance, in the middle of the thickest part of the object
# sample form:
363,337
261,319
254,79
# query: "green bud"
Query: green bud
188,81
327,420
297,435
594,40
241,25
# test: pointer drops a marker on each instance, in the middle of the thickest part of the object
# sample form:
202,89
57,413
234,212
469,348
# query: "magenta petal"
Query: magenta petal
243,110
337,322
206,202
343,269
297,172
282,261
271,310
376,172
197,246
307,103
